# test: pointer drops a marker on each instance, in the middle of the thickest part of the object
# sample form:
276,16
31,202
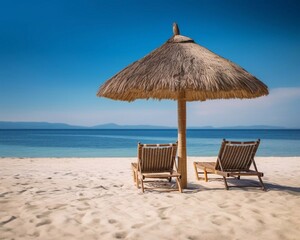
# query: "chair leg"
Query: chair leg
169,179
262,184
179,184
205,175
134,176
137,183
142,183
225,181
196,171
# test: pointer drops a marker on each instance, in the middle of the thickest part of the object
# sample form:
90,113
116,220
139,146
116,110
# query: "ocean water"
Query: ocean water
123,143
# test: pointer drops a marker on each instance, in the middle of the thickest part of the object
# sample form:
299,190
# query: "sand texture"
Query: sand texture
89,198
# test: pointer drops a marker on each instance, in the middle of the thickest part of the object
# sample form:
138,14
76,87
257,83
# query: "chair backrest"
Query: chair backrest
156,157
236,156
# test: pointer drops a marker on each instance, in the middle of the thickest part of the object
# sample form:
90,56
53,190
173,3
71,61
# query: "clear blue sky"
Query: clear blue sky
55,54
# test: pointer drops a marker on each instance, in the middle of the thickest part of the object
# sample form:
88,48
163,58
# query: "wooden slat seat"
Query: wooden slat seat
234,160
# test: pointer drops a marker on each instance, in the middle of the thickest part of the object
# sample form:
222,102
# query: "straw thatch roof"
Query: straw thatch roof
181,65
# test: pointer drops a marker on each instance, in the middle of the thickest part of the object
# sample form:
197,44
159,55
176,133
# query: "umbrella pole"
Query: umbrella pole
182,168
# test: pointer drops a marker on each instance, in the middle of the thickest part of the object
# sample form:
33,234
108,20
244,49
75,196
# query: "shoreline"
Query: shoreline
95,198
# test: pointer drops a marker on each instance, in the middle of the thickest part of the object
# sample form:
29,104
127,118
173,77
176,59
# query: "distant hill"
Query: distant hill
46,125
116,126
239,127
36,125
254,127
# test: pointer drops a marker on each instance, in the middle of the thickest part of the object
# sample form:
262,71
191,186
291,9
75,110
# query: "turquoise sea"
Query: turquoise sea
123,143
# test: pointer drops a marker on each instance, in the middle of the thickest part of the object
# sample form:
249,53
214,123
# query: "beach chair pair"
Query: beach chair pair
159,160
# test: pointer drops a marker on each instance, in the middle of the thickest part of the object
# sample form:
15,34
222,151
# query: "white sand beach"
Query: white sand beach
95,198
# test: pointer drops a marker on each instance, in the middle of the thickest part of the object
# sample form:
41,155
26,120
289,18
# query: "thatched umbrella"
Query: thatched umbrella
184,71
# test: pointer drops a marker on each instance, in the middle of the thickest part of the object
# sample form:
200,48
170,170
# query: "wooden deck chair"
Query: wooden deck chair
156,161
234,160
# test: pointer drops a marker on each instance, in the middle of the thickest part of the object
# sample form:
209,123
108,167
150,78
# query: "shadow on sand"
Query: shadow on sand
245,184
